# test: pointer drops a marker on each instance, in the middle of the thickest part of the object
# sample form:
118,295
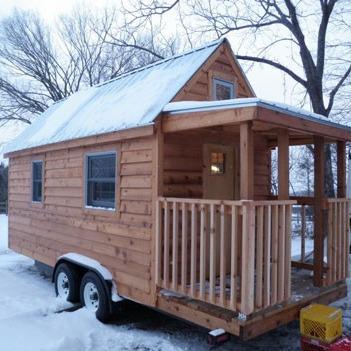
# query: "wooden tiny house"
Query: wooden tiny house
163,175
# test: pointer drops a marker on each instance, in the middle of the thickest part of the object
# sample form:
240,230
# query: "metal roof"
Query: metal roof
130,100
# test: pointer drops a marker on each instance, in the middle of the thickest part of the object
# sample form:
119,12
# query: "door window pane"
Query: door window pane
217,163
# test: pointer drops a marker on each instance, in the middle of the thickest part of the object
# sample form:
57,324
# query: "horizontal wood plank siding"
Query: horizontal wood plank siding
222,67
183,163
120,240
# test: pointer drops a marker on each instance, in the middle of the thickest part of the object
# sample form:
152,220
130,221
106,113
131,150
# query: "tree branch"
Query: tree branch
276,65
336,89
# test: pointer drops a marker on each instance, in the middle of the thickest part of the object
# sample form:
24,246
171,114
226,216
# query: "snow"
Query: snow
3,233
296,246
88,262
217,332
201,106
130,100
31,319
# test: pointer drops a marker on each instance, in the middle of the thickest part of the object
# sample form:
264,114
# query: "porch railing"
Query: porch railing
233,254
337,247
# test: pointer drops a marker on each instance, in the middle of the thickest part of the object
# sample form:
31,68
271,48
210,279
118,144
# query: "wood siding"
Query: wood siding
221,65
120,240
183,163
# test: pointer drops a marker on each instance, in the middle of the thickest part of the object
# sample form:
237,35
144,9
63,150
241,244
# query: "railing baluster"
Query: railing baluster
267,256
345,234
166,247
330,245
274,287
287,275
259,256
158,242
281,256
212,254
339,239
233,258
342,225
184,246
248,259
223,253
335,240
303,232
202,251
347,244
175,246
193,250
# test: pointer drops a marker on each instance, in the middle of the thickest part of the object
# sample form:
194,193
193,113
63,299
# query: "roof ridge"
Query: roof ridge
159,62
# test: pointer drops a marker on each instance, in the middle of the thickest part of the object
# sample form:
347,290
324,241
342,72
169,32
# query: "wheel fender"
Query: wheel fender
92,265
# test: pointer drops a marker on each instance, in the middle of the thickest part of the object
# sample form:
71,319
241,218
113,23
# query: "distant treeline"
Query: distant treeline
3,187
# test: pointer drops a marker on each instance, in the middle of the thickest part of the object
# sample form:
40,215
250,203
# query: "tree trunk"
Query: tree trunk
328,173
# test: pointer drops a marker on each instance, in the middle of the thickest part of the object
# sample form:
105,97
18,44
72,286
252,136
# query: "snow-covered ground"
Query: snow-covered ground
29,320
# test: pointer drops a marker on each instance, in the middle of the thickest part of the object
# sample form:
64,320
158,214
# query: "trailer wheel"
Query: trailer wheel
93,295
67,283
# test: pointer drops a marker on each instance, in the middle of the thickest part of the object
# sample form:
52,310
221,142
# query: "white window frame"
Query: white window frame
226,83
42,182
86,168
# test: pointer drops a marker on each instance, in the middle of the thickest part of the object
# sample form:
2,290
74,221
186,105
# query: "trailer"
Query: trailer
156,187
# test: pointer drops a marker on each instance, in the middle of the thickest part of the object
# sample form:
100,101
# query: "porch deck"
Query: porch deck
233,258
303,292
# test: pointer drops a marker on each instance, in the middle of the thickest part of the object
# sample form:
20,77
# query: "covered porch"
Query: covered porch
222,238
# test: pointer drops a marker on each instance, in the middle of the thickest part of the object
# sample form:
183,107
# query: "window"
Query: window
37,181
222,89
217,163
101,180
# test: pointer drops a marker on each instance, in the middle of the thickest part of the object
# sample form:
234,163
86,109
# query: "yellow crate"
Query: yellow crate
321,322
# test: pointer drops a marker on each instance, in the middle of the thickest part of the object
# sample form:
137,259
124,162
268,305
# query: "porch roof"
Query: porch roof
245,109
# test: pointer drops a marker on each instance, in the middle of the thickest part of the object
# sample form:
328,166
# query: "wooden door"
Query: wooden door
219,175
218,172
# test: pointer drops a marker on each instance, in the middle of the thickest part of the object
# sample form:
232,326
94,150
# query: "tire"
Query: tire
67,282
94,297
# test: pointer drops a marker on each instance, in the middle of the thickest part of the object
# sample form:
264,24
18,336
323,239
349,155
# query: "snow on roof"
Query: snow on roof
130,100
199,106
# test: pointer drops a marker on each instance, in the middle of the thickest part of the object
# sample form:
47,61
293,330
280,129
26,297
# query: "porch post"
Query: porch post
283,164
319,200
341,168
246,161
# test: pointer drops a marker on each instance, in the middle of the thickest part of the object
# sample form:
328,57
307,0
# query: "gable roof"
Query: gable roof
130,100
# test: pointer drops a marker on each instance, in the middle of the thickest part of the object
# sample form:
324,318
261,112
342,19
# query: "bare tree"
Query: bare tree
310,35
42,64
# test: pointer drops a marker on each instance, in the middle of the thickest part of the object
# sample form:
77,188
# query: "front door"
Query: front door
218,176
218,173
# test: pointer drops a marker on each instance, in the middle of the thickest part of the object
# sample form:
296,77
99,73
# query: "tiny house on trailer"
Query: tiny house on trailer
156,187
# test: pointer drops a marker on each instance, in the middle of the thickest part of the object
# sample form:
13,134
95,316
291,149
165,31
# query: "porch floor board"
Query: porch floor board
302,294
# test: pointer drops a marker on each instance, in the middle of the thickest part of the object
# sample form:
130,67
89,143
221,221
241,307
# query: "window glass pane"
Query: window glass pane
37,174
37,170
217,163
102,166
101,176
223,90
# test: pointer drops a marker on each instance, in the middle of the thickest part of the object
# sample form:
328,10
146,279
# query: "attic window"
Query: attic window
223,89
101,180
